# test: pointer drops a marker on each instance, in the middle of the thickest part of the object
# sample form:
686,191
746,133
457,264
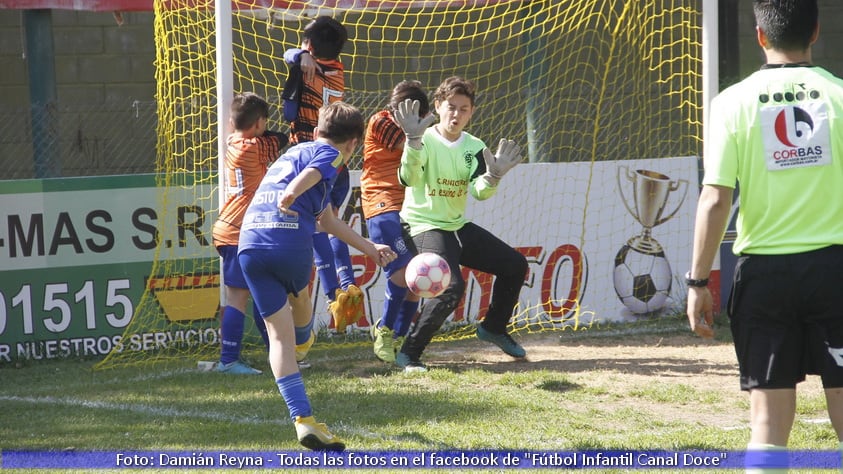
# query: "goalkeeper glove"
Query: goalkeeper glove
407,116
497,165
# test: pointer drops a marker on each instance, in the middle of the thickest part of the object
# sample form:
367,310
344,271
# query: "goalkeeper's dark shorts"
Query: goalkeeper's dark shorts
786,314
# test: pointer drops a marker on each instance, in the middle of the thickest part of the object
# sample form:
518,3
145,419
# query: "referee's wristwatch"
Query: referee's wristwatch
701,283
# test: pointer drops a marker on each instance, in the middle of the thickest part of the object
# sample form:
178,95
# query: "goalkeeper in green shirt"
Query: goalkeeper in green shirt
441,166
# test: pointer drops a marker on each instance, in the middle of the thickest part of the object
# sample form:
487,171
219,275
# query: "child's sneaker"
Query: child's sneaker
237,367
354,310
398,343
504,341
315,436
337,310
408,364
304,348
383,344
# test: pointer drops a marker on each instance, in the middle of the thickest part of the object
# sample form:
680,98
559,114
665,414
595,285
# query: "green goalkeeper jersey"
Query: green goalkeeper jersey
778,134
439,178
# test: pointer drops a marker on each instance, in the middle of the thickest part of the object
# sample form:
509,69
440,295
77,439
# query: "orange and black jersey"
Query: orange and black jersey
327,86
380,190
246,162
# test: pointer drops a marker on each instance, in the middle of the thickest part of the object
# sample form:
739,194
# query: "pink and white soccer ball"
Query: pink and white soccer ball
427,275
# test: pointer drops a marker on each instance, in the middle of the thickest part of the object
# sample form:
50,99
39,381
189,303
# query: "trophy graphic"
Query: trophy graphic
642,274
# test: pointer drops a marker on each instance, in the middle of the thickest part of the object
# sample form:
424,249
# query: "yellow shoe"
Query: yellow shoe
355,311
304,348
337,310
315,436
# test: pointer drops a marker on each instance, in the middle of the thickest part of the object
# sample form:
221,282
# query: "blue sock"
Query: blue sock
303,333
323,258
392,303
292,389
231,334
260,325
405,317
342,262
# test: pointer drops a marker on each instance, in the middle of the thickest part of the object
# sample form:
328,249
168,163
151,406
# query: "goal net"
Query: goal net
599,93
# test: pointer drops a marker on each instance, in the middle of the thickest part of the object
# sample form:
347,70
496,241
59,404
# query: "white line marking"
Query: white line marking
145,410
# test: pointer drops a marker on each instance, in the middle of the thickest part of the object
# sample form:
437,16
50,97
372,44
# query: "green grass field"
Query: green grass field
648,385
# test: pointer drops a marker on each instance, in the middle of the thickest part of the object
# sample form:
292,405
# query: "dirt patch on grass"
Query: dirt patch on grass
648,371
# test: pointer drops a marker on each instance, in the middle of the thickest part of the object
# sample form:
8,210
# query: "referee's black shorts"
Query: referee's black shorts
786,314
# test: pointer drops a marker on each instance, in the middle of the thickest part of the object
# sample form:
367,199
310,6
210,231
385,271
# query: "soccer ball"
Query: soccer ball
642,280
427,275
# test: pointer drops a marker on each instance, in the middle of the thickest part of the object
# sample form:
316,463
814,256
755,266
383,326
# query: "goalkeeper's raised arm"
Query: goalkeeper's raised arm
414,126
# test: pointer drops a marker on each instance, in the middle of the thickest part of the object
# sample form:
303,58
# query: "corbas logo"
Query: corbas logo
794,128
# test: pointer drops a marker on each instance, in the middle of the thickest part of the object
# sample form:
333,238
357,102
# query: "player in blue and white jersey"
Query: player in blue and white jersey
276,251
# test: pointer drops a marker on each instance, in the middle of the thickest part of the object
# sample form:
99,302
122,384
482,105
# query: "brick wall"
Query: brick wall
110,68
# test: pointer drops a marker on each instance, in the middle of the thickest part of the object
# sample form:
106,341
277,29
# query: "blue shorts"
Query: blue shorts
273,273
232,274
342,186
386,229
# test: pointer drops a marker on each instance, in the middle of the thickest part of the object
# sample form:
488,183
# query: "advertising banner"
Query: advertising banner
605,241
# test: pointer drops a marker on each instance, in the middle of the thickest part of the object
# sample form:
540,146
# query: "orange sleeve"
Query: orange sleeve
380,190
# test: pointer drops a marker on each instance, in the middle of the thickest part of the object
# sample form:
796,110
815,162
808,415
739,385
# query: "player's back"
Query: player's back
380,190
780,131
246,162
327,86
264,226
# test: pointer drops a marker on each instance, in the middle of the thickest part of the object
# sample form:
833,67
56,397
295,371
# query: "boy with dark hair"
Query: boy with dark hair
276,252
441,166
779,134
316,75
249,151
382,197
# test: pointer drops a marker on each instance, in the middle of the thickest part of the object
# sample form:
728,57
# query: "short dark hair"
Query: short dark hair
247,108
788,24
326,37
409,89
340,122
455,85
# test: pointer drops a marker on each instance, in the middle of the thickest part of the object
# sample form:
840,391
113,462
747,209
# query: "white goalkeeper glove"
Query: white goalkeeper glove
407,116
497,165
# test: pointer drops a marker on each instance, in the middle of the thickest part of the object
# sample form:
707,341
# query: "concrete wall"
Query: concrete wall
105,120
106,87
827,52
96,60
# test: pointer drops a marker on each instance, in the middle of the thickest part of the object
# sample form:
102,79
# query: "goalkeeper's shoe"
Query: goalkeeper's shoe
398,343
383,345
237,368
315,436
409,364
504,341
303,348
337,310
355,310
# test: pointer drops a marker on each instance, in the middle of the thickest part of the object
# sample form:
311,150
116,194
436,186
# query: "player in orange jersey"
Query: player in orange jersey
382,197
317,79
251,148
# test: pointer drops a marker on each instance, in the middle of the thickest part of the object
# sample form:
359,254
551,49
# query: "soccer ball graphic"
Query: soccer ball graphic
427,275
642,280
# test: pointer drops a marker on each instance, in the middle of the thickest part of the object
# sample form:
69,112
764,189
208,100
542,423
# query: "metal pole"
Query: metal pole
42,92
225,94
